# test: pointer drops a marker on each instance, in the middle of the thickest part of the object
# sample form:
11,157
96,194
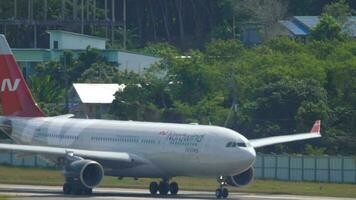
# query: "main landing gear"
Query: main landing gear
74,188
221,192
163,187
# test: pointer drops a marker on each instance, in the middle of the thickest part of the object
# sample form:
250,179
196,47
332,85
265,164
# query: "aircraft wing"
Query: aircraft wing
314,133
61,152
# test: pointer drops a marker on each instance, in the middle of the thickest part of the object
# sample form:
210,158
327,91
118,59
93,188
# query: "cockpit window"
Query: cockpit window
235,144
241,144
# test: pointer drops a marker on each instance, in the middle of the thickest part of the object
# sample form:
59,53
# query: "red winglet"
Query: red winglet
15,97
316,127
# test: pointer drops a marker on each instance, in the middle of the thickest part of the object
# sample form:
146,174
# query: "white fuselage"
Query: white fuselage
170,149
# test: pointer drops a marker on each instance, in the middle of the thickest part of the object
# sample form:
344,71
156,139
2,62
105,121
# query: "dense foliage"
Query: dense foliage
279,87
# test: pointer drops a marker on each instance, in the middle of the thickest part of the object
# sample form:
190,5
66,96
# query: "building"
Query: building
300,26
68,40
61,41
88,100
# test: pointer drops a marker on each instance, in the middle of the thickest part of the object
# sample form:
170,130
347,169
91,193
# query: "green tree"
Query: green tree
99,72
327,29
47,93
340,10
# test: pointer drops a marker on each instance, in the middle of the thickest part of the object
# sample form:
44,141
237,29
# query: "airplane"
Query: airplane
89,149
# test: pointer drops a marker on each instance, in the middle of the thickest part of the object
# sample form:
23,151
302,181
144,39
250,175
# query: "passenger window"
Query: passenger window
229,144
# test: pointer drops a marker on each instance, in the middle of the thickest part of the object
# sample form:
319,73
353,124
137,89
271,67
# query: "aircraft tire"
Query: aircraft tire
154,188
224,193
67,188
221,193
173,188
218,193
163,188
88,191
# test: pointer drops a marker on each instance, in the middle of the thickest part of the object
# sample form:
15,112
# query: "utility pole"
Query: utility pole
45,10
66,82
106,18
94,10
30,10
234,106
82,16
124,17
63,8
112,20
75,9
15,9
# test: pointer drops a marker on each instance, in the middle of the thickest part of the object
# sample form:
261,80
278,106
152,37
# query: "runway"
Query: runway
31,192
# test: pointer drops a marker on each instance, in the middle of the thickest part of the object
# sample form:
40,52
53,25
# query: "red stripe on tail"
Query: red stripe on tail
15,97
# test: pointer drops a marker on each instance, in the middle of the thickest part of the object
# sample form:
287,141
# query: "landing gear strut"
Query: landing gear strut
164,187
221,192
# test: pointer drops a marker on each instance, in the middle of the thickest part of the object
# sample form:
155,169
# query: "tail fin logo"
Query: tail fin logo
6,84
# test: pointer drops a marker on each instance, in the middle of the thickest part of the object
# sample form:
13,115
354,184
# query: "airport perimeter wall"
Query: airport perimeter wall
333,169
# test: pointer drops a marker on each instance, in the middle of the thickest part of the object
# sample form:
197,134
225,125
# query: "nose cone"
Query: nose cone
250,156
243,159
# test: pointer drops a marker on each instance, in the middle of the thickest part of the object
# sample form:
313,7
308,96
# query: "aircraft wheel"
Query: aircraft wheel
153,187
218,193
88,191
163,188
76,189
224,193
173,187
67,188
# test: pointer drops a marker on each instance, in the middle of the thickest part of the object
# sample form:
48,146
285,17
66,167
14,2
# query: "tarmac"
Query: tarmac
33,192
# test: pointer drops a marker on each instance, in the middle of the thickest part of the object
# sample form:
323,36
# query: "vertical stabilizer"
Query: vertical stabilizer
316,127
15,97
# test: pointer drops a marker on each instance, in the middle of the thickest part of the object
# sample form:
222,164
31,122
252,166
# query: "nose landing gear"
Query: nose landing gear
221,192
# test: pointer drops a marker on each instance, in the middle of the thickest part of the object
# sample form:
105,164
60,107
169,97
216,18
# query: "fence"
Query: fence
337,169
11,158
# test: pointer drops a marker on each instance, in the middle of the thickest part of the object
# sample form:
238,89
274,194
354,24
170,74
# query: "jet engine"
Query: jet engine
88,172
241,179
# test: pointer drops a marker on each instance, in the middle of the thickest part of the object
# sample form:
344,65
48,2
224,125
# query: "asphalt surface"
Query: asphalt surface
31,192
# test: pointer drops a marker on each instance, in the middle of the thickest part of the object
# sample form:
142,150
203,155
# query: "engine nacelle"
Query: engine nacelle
88,172
241,179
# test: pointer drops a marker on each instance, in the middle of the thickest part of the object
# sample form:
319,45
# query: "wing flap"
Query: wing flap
314,133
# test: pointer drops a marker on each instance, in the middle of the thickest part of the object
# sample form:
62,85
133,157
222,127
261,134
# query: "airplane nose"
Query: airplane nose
250,155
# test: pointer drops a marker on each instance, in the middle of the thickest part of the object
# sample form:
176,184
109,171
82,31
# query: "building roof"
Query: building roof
307,21
301,25
59,39
294,28
97,93
76,34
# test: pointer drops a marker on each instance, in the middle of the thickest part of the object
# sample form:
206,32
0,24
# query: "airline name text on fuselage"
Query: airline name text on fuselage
184,139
